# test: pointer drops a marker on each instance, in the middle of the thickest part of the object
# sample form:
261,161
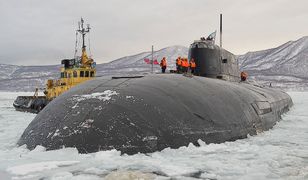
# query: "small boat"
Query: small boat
74,71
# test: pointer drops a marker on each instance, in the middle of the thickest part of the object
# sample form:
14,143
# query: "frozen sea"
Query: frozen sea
281,153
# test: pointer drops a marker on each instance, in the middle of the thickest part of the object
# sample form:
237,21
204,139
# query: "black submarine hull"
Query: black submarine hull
150,113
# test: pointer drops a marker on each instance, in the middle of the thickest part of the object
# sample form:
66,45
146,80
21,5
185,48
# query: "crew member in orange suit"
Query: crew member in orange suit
178,64
192,65
163,65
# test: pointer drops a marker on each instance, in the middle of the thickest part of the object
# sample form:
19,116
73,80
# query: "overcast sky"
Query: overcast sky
37,32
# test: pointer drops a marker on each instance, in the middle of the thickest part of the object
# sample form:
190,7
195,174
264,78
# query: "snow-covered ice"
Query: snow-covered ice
280,153
40,166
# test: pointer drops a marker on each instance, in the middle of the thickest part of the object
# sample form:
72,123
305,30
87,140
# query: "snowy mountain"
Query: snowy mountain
27,78
285,66
135,64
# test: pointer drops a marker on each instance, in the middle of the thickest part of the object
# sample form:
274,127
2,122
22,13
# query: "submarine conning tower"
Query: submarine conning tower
213,61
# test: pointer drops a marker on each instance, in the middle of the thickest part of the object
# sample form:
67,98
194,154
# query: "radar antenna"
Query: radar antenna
83,31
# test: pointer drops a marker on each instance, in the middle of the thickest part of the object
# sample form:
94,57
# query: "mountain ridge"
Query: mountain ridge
284,66
289,61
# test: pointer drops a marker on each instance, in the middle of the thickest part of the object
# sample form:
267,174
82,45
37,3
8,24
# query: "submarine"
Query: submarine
147,113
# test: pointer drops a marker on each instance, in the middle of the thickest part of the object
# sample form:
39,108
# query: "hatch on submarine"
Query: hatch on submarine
152,112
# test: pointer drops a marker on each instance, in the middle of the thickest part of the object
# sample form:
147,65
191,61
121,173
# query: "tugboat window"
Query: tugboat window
75,73
224,60
81,73
62,75
92,74
87,74
65,74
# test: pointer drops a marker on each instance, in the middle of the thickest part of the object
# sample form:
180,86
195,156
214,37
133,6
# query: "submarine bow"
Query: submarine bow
150,113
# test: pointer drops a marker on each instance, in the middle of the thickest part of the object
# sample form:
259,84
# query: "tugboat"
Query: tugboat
73,72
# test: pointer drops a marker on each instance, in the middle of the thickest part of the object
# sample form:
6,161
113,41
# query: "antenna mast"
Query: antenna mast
152,61
83,31
220,31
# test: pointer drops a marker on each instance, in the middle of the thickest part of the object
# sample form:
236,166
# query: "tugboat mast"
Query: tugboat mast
83,31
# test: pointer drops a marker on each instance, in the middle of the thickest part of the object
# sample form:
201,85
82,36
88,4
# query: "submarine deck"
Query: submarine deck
150,113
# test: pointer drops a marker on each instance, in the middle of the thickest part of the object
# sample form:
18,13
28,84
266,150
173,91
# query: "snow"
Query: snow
102,96
285,65
289,53
57,133
129,97
40,166
280,153
129,175
87,123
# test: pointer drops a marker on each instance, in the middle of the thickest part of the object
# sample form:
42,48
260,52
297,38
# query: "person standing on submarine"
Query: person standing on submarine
185,65
244,76
178,64
163,65
192,65
181,65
